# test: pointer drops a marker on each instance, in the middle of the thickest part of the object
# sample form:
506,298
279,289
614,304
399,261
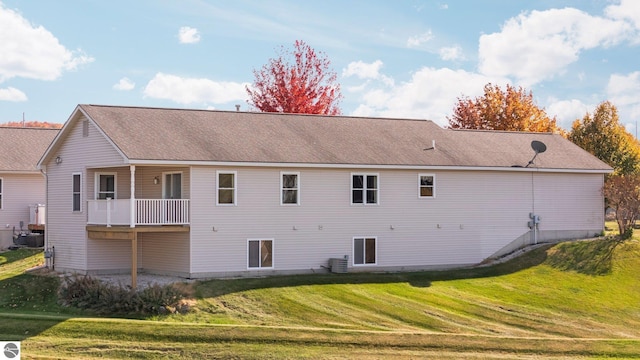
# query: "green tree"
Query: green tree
513,110
602,135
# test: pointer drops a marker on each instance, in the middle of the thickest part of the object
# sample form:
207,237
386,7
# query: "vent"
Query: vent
338,265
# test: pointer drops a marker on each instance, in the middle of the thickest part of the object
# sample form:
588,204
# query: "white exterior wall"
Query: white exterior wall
18,192
66,229
474,215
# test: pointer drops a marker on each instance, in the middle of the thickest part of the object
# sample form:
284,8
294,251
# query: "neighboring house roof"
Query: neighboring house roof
181,135
21,148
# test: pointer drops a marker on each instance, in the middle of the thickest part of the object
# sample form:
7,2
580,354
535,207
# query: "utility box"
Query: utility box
35,240
37,214
338,265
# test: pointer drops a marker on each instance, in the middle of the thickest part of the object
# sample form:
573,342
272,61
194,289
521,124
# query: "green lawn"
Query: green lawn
578,300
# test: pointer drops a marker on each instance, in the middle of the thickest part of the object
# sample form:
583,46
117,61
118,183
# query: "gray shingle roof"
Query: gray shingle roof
229,136
21,148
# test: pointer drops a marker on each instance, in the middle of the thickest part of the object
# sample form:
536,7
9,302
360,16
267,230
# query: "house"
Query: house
22,185
198,193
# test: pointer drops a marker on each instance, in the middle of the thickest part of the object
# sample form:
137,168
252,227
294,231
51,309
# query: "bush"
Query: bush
85,292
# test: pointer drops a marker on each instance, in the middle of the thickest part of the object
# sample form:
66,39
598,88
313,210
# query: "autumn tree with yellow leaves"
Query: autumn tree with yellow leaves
513,109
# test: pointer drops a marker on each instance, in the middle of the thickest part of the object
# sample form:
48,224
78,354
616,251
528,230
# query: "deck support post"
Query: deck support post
134,260
132,198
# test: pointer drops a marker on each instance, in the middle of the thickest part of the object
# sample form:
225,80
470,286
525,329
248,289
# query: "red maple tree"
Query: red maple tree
307,86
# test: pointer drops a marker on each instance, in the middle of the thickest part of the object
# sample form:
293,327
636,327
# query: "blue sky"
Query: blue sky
405,59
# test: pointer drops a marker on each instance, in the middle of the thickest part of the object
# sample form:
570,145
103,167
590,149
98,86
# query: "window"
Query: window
364,189
364,251
290,186
172,185
106,186
226,188
76,193
0,193
426,184
260,253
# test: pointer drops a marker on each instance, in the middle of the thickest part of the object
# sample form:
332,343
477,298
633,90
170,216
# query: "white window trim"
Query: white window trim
235,188
282,189
97,183
420,186
364,189
353,246
164,183
73,192
273,253
1,193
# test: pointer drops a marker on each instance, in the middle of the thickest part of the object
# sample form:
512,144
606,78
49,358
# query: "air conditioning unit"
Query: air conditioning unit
338,265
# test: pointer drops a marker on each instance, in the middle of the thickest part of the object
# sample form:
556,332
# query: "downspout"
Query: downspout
48,259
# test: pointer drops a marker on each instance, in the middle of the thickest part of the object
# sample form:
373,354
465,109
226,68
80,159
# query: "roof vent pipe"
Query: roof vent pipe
237,107
433,146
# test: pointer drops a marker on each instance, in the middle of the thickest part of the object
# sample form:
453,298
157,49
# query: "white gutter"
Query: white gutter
357,166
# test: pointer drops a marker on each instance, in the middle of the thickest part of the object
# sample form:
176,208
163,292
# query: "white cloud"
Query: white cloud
418,40
12,94
124,84
363,70
188,35
538,45
430,94
31,51
567,111
626,10
451,53
624,92
194,90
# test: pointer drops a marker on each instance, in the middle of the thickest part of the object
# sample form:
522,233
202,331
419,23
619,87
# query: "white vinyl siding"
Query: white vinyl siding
67,230
0,193
76,192
226,187
427,186
475,214
19,192
290,188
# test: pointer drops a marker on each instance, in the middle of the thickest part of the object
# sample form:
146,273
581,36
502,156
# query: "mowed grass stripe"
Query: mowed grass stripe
94,337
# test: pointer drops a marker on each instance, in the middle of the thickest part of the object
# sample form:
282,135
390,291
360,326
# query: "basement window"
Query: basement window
364,250
260,253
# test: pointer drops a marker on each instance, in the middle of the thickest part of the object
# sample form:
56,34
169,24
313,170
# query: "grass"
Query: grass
574,300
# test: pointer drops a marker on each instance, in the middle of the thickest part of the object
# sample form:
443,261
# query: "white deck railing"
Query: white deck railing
147,212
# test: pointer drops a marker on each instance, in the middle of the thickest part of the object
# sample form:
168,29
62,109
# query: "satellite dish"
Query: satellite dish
538,146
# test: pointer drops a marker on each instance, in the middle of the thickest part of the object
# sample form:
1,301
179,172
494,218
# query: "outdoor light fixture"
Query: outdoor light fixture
58,160
156,180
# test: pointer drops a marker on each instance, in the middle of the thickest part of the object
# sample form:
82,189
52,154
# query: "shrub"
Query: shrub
85,292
